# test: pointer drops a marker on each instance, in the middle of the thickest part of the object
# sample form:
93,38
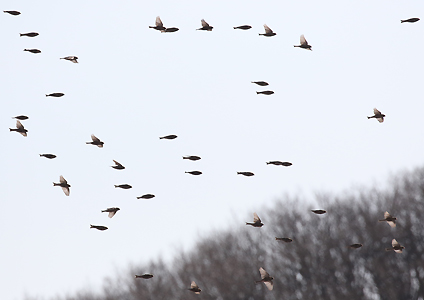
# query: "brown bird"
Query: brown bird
123,186
99,227
287,240
194,288
245,173
29,34
158,25
170,29
303,43
396,247
319,211
117,165
389,219
168,137
265,92
55,95
12,12
146,196
205,26
64,185
96,141
19,128
71,58
21,117
192,157
112,211
266,279
194,172
256,221
279,163
49,156
355,246
33,50
261,83
411,20
378,115
268,31
144,276
243,27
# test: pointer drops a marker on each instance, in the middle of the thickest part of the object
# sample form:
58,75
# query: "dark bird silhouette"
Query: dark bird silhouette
265,92
171,29
19,128
146,196
12,12
117,165
49,156
245,173
378,115
256,221
29,34
243,27
411,20
389,219
319,211
355,246
96,141
64,185
33,50
268,31
21,117
266,279
303,43
144,276
194,172
261,83
55,95
205,26
194,288
158,25
123,186
111,210
71,58
287,240
192,157
396,247
168,137
279,163
99,227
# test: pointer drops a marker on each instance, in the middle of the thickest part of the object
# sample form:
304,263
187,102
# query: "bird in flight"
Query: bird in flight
248,174
411,20
158,25
304,43
396,247
55,95
12,12
98,227
266,279
256,221
19,128
112,211
123,186
49,156
268,31
389,219
71,58
117,165
319,211
378,115
35,51
243,27
64,185
144,276
96,141
194,288
205,26
279,163
29,34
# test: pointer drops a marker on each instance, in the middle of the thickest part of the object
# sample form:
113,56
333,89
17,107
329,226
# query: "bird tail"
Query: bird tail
369,117
151,26
257,92
389,249
91,226
55,184
41,155
20,34
11,129
267,163
88,142
382,220
235,27
402,21
47,95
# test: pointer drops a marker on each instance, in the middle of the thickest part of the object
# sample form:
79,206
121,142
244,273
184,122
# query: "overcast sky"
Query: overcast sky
134,84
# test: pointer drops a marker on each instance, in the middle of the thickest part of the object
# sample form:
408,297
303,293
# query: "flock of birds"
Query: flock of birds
265,277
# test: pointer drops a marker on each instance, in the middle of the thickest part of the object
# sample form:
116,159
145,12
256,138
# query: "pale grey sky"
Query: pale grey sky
133,84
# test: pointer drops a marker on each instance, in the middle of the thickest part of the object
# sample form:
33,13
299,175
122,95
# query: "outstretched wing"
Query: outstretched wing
159,22
204,23
111,214
303,41
395,243
264,274
117,163
194,285
19,125
386,215
267,29
62,180
376,112
256,218
95,139
269,285
66,190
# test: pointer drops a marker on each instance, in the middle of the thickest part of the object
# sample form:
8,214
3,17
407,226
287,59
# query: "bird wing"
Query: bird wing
194,285
269,285
19,125
62,180
303,41
267,29
256,218
398,251
376,112
386,215
381,120
392,224
23,133
159,21
264,274
95,139
111,214
66,190
204,23
395,243
117,163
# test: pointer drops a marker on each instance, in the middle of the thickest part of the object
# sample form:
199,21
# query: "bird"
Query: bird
192,157
355,246
245,173
378,115
261,83
117,165
71,58
168,137
194,172
279,163
194,288
144,276
123,186
287,240
389,219
265,92
21,117
266,279
12,12
146,196
99,227
303,43
19,128
319,211
33,50
112,211
256,221
64,185
29,34
205,26
96,141
243,27
170,29
158,24
268,31
396,247
411,20
55,95
49,156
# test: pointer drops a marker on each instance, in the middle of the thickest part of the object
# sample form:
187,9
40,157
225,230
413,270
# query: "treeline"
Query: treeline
318,264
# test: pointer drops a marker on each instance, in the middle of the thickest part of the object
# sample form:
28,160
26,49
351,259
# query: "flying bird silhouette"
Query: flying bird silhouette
64,185
243,27
256,221
411,20
49,156
98,227
205,26
304,43
12,12
96,141
117,165
29,34
19,128
55,95
146,196
266,279
21,117
319,211
265,92
389,219
144,276
261,83
168,137
279,163
111,210
355,246
35,51
194,288
248,174
378,115
158,24
286,240
268,31
71,58
194,172
192,157
123,186
396,247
